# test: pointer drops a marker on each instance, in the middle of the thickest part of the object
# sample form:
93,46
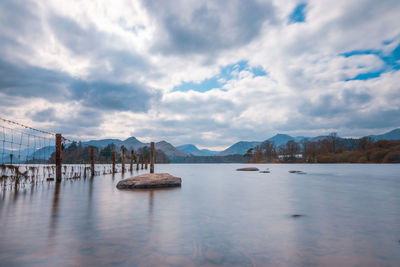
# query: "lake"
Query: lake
351,217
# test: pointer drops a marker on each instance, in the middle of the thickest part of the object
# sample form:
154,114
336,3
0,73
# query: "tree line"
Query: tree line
330,149
76,153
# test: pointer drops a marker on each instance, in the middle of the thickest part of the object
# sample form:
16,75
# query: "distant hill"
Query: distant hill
280,139
169,149
102,143
239,148
190,150
129,143
134,143
194,151
392,135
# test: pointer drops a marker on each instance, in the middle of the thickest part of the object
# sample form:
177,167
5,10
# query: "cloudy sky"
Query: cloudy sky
204,72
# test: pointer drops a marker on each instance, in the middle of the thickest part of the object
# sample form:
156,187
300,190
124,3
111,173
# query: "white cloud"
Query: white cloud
136,47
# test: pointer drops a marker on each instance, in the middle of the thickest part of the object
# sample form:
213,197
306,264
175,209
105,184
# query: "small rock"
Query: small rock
50,179
150,180
265,171
297,215
249,169
298,172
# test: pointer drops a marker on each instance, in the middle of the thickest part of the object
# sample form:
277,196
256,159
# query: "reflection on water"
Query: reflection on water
54,209
218,217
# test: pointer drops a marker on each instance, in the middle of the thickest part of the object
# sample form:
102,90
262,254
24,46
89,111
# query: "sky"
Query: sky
209,73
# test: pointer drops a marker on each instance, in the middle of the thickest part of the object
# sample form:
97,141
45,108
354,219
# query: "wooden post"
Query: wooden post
123,161
137,161
142,160
92,160
146,160
131,160
152,157
11,157
58,157
113,162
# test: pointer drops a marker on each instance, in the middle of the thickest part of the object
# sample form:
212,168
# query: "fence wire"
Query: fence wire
27,157
21,144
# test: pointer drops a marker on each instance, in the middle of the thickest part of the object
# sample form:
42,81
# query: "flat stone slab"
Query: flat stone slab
248,169
150,180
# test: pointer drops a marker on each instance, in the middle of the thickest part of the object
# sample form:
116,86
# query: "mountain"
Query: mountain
134,143
194,151
102,143
169,149
239,148
23,155
129,143
392,135
280,139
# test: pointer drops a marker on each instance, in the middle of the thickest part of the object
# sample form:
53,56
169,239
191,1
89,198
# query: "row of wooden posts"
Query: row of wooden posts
59,159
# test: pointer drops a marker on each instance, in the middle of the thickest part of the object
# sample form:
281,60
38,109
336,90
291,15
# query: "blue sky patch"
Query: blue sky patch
392,62
298,14
366,76
226,73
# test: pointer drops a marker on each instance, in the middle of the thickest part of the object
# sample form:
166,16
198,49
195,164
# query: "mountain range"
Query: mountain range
189,150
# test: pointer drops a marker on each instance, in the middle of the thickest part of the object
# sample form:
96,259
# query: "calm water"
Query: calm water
218,217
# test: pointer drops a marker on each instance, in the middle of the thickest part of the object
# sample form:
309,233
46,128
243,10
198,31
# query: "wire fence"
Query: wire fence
21,144
27,157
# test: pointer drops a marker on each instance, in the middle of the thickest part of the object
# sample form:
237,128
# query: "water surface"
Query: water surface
218,217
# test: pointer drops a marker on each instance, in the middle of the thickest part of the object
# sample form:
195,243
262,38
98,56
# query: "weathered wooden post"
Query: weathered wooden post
92,160
146,160
113,162
11,157
58,157
137,161
142,161
152,157
123,161
131,160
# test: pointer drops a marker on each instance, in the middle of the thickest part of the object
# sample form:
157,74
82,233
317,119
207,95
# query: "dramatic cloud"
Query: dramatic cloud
207,26
203,72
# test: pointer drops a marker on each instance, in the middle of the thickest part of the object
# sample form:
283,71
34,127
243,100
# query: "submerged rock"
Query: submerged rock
150,180
297,215
267,171
249,169
298,172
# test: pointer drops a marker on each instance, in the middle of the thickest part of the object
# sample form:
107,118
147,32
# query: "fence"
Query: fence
32,156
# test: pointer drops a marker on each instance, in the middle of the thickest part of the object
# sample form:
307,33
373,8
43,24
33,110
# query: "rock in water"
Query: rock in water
297,215
150,180
298,172
249,169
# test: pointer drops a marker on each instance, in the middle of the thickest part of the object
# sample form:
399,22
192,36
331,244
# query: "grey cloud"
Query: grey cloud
82,122
74,37
19,18
47,114
95,45
110,96
29,81
329,105
374,119
212,27
350,97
